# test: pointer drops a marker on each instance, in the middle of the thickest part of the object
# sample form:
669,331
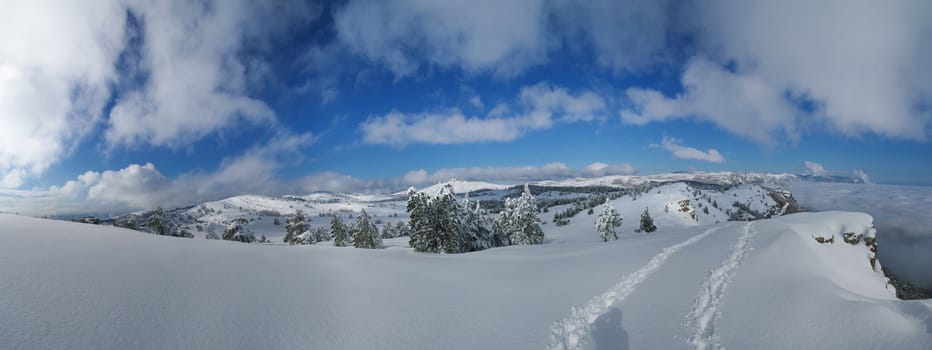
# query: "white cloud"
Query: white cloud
601,169
408,34
143,186
815,168
859,66
444,127
199,81
58,64
741,104
675,147
860,174
510,174
55,68
538,107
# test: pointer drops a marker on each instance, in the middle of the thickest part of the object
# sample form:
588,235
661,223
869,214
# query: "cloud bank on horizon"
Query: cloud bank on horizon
269,97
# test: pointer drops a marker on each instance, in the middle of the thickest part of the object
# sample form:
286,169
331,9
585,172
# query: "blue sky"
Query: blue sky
128,104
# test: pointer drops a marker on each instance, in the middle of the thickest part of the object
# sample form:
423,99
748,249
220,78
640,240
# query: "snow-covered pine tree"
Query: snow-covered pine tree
478,232
295,225
128,222
419,221
338,230
402,229
647,223
365,234
607,221
447,219
321,234
525,223
156,223
235,231
388,231
503,228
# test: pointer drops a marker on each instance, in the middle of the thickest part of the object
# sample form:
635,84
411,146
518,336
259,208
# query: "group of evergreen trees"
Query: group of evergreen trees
362,234
161,224
441,224
237,231
563,218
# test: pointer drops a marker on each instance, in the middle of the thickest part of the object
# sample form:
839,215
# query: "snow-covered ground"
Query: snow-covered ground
766,284
903,215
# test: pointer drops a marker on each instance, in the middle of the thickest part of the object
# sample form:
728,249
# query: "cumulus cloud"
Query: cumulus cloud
183,73
768,68
143,186
815,168
537,107
742,104
199,80
55,68
675,147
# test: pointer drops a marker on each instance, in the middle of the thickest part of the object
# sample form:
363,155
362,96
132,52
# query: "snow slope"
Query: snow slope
765,285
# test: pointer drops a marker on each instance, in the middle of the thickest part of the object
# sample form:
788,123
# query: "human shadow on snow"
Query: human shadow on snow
608,333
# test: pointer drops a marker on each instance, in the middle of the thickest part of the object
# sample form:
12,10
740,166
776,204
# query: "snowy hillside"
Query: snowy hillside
724,197
764,284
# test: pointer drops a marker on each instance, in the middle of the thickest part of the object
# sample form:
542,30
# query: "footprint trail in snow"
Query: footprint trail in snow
705,314
569,332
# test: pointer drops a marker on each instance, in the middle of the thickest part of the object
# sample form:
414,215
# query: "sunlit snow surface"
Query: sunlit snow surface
902,214
764,285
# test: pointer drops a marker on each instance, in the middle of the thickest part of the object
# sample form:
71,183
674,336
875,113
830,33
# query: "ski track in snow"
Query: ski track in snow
705,314
569,332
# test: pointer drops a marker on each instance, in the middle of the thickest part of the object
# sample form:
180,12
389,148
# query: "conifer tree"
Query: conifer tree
338,230
607,222
525,221
418,211
156,223
236,232
647,223
295,225
365,234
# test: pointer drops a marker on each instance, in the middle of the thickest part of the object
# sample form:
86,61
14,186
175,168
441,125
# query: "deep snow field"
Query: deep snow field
699,282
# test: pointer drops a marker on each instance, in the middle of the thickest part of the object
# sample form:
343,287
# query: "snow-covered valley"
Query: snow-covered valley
699,282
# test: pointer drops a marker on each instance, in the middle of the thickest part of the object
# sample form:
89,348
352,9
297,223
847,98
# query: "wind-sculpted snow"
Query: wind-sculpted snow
901,214
705,314
569,332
